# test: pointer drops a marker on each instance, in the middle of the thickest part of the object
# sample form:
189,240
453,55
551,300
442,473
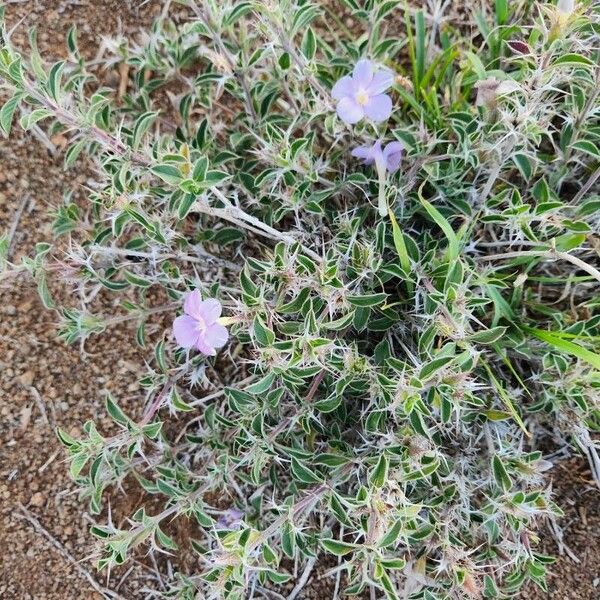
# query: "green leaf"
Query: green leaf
288,540
487,336
44,292
420,42
164,540
524,165
328,404
572,59
77,463
587,147
7,112
160,355
476,65
100,532
264,336
276,577
54,80
367,300
433,366
392,535
497,415
185,205
200,169
490,590
285,61
506,399
250,291
309,44
393,563
152,430
379,475
66,439
237,12
28,121
304,474
215,177
168,173
330,460
72,40
178,403
115,412
261,386
386,8
142,124
500,474
296,304
136,280
339,324
338,548
72,154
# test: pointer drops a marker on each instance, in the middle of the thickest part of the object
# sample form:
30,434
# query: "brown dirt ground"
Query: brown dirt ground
44,383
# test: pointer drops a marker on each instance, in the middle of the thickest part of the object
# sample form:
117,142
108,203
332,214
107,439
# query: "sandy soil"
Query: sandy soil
43,383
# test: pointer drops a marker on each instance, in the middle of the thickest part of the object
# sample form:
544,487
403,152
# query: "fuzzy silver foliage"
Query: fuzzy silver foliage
400,370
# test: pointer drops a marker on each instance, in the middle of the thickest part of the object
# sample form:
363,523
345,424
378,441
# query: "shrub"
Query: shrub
408,328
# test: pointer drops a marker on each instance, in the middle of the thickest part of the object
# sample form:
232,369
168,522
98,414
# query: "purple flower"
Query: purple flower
387,158
361,94
230,519
199,327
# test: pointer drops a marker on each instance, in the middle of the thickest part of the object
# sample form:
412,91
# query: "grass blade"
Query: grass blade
442,222
506,399
400,247
563,345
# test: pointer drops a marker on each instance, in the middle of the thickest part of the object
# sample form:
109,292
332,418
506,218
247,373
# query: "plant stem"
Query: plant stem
206,17
381,202
199,260
71,121
236,215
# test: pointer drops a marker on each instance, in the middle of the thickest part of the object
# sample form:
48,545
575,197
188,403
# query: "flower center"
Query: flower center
362,97
200,324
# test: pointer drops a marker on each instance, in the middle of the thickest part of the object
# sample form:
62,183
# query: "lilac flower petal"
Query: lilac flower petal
205,348
362,74
192,304
186,331
343,87
216,335
230,519
210,310
349,111
393,162
379,107
392,148
382,80
365,153
392,154
369,154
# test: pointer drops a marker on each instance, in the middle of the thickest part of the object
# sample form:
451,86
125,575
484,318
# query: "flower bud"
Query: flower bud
562,15
565,7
